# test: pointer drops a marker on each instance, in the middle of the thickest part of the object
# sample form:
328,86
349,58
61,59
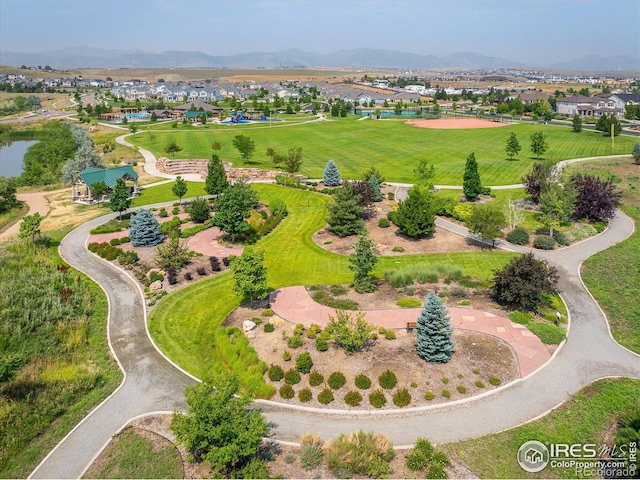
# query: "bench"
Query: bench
411,325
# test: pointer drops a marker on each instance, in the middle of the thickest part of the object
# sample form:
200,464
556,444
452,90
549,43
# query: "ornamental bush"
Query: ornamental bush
286,391
363,382
461,389
304,362
269,327
446,393
429,395
377,399
292,377
199,210
310,457
325,396
402,398
305,395
518,236
336,380
384,222
493,380
275,373
321,344
294,341
387,380
353,398
544,242
315,378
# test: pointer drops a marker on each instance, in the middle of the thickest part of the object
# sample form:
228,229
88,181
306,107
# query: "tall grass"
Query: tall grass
422,273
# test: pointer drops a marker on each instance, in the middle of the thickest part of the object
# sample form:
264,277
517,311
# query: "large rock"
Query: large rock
248,325
155,286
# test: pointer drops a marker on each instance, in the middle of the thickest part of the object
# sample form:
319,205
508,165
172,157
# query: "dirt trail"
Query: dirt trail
37,202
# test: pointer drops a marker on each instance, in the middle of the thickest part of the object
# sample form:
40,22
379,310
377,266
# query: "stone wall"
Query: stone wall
199,167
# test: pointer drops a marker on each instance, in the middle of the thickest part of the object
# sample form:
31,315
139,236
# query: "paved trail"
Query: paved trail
153,384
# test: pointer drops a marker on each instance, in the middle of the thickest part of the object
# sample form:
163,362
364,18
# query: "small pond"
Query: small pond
11,157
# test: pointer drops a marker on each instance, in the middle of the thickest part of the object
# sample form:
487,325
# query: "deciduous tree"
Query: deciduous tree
172,148
250,274
119,200
30,226
513,146
538,144
487,221
8,198
234,207
218,427
595,199
635,153
179,188
557,204
293,160
244,145
433,332
425,173
576,121
523,281
537,179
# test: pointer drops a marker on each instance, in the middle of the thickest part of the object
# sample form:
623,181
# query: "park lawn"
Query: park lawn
163,193
184,323
393,147
583,419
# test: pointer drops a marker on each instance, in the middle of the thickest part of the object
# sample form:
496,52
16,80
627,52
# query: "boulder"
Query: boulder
155,286
248,325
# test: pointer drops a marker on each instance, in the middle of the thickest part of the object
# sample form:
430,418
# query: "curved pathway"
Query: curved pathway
153,384
37,203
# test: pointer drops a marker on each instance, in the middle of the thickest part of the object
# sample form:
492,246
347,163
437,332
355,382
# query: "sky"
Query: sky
535,32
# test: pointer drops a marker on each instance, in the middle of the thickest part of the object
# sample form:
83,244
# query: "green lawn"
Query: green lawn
163,193
391,146
184,323
583,419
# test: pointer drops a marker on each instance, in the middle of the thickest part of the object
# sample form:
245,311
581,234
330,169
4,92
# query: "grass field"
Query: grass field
184,324
613,276
583,419
391,146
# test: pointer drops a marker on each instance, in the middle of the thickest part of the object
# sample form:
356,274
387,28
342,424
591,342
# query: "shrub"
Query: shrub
225,261
353,398
416,461
436,471
360,454
362,382
544,242
561,239
350,333
199,210
188,276
336,380
286,356
124,240
267,312
446,393
163,213
298,329
402,398
286,391
408,302
549,334
600,226
275,373
461,389
295,341
127,258
493,380
387,380
172,276
462,211
305,395
338,290
390,334
397,249
384,223
580,233
313,331
523,318
191,231
215,264
445,380
310,457
304,362
315,378
479,384
114,241
377,399
292,377
269,327
518,236
156,277
321,344
429,395
325,396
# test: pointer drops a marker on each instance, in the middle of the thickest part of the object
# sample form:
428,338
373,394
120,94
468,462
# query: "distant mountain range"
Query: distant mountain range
86,57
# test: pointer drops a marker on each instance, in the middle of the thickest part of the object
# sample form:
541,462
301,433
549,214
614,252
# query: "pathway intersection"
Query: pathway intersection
153,384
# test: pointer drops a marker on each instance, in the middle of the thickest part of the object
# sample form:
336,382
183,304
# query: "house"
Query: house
529,97
81,188
597,105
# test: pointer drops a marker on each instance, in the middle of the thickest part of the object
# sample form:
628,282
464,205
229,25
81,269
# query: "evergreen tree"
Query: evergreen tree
173,254
415,216
513,146
216,182
119,200
362,262
179,188
577,123
433,333
344,214
471,184
635,153
144,229
331,176
375,188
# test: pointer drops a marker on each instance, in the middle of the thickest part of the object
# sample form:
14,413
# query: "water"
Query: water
138,116
11,157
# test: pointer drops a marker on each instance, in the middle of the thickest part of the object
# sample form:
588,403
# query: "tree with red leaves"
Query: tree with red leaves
596,199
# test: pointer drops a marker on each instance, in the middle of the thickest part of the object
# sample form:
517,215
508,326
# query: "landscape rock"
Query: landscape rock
248,325
155,286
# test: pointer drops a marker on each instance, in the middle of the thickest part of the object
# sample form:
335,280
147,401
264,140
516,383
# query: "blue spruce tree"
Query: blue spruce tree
433,333
375,188
144,229
331,176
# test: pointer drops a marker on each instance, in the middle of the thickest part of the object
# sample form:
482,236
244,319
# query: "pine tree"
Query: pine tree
471,184
216,181
362,262
433,334
375,188
415,216
331,176
144,229
635,153
344,214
